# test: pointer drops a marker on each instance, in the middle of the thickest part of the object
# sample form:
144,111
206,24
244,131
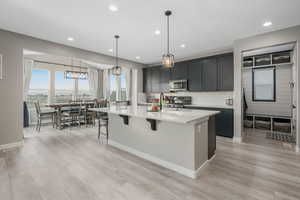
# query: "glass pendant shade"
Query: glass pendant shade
168,60
116,70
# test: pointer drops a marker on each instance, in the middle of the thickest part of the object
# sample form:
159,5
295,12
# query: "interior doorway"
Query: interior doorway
269,96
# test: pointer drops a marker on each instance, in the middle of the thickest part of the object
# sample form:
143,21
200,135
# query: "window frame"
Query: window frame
254,99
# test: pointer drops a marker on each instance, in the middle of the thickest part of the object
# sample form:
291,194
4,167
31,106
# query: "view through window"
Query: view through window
39,86
83,90
64,88
118,91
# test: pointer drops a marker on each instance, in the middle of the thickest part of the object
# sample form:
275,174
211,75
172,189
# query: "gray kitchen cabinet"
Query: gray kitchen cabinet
209,74
155,79
195,75
223,120
147,80
164,79
179,71
225,72
213,73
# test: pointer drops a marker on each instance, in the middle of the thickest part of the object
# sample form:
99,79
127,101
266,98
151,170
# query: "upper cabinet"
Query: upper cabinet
195,75
225,72
213,73
147,80
155,79
164,79
179,71
209,74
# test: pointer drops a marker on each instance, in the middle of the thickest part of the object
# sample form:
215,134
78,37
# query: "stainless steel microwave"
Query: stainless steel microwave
178,85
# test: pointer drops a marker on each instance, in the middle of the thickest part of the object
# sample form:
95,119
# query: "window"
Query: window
113,88
263,88
39,86
118,88
123,96
83,90
64,88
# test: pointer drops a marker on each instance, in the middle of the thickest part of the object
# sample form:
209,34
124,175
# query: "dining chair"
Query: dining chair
75,114
44,114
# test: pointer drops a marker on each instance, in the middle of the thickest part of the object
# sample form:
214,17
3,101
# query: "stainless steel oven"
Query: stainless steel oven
178,85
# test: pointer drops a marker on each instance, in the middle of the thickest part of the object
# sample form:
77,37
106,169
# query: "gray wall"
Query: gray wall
269,39
11,87
282,105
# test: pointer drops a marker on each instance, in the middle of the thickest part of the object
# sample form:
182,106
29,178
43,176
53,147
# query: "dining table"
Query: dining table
59,108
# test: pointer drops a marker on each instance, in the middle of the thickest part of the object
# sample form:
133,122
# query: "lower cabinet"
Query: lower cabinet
223,120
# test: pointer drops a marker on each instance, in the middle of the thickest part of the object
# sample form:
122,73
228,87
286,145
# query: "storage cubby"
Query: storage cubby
282,125
263,60
281,57
248,122
262,123
248,62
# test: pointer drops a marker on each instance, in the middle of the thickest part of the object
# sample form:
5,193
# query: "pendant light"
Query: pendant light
168,59
116,70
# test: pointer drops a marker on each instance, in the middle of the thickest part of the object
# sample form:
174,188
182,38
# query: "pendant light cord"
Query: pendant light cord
117,59
168,35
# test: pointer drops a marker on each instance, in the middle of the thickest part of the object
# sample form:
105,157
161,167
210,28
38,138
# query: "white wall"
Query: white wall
264,40
282,105
11,86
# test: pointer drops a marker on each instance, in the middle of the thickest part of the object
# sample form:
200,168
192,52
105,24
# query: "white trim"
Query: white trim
182,170
297,150
237,139
11,145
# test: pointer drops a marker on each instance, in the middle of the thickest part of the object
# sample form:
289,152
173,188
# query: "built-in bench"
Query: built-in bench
269,122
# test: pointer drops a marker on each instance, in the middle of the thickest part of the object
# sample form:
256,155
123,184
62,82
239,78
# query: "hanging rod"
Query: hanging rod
53,63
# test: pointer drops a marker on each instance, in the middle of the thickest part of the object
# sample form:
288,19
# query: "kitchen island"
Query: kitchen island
180,140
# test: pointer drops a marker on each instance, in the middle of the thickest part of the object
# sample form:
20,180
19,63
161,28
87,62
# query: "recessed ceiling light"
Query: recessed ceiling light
138,57
110,50
70,39
267,23
182,46
113,8
157,32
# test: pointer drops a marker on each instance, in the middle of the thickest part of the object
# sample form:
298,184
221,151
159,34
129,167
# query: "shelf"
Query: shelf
272,65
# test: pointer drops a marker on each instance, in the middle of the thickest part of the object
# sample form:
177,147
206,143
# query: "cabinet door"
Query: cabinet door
179,72
225,72
147,80
155,79
164,79
209,74
195,75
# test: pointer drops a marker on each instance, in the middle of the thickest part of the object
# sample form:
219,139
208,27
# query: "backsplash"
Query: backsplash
212,99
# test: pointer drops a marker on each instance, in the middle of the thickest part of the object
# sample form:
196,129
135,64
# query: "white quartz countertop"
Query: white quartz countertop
171,115
198,105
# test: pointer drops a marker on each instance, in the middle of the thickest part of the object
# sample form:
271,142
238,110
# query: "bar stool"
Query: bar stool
102,120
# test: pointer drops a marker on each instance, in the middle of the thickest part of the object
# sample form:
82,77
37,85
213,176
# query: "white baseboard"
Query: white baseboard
182,170
237,139
11,145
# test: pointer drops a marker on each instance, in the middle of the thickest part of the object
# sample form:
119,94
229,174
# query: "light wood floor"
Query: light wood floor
73,165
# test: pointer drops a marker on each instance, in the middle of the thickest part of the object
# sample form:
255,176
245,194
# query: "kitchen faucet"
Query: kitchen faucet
161,97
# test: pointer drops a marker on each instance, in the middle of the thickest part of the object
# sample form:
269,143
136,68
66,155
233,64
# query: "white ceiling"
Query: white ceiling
205,26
